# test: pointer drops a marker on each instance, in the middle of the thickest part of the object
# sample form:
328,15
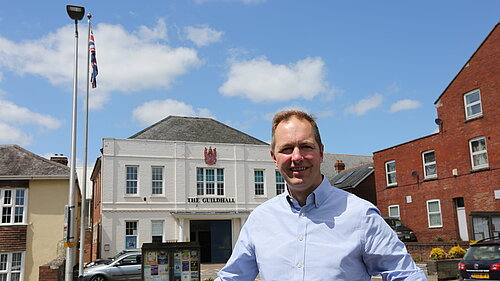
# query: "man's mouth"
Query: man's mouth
298,169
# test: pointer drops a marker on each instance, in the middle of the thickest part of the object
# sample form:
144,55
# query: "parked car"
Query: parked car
404,233
481,261
109,260
125,267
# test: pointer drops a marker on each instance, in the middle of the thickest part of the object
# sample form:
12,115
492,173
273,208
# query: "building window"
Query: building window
390,172
131,235
259,182
157,180
12,206
429,159
478,153
209,181
157,231
131,179
280,183
11,266
472,102
394,211
434,213
485,224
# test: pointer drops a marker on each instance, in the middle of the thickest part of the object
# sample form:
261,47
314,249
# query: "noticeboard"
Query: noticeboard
179,261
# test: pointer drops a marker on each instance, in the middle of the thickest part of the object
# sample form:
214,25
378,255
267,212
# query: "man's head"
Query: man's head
297,152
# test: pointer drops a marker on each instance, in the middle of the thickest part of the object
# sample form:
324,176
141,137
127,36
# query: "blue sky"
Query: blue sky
369,70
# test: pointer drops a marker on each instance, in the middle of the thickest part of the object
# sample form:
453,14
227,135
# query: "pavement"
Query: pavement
209,270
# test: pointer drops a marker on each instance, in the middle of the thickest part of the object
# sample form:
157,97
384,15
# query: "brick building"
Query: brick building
447,185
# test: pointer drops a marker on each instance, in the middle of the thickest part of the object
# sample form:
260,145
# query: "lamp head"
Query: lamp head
75,12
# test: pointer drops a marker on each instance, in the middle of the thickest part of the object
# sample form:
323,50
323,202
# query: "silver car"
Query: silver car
124,267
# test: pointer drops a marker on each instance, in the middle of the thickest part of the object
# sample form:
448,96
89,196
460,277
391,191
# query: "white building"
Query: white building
183,179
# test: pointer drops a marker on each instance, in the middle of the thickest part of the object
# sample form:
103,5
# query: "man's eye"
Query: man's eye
286,150
306,148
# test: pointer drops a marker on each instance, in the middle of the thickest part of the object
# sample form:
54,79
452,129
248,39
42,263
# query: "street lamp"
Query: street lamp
76,13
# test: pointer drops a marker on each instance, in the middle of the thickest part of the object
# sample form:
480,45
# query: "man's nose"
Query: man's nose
296,154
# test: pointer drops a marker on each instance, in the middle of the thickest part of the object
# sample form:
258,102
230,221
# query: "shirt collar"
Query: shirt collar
318,196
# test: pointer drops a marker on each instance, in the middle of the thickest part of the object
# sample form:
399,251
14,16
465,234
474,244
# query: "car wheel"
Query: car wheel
98,278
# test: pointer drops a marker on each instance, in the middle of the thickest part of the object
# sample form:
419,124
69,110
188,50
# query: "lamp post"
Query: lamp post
76,13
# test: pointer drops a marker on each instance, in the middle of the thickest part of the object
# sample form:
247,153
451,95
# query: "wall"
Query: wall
46,200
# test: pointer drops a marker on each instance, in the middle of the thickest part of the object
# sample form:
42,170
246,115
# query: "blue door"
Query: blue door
220,232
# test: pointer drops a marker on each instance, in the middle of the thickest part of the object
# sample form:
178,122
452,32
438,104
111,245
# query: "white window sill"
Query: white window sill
480,168
392,185
436,226
474,117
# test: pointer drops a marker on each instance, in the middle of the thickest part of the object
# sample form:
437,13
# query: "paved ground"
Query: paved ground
210,270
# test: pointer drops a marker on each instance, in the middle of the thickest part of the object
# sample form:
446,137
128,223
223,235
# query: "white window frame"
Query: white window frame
425,164
467,106
9,266
280,183
131,180
203,183
153,233
258,185
391,207
132,234
157,183
475,153
429,213
13,205
387,173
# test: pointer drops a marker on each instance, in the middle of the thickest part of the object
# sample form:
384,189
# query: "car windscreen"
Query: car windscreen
483,253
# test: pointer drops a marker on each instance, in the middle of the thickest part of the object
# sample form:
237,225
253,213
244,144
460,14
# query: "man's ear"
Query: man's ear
273,156
321,152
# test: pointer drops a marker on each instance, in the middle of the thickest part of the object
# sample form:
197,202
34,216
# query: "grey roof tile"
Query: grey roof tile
18,162
329,159
195,129
350,178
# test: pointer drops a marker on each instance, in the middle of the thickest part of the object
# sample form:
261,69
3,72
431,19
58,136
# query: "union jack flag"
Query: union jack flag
93,60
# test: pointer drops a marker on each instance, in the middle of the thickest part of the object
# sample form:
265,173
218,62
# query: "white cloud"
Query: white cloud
405,104
11,113
159,32
203,35
259,80
365,105
127,61
12,135
154,111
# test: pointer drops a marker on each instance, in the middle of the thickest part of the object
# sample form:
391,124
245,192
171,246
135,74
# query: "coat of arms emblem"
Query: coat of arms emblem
210,156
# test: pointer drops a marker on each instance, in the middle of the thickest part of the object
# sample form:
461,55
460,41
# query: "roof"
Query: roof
329,159
497,26
16,162
350,178
195,129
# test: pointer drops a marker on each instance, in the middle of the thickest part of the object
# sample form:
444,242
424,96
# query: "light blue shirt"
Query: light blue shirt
334,236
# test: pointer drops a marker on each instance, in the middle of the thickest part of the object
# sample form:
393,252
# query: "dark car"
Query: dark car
481,261
124,267
404,233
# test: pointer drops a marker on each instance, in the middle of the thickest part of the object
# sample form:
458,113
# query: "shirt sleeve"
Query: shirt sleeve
384,253
242,265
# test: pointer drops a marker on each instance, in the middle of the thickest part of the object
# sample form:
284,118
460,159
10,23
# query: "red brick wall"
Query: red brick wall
13,238
46,273
451,146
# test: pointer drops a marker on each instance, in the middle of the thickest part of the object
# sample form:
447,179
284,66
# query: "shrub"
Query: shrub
456,252
437,254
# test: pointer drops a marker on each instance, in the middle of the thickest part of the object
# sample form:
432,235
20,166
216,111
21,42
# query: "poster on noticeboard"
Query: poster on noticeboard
171,262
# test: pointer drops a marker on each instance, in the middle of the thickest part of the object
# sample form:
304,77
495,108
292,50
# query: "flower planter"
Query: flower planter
444,269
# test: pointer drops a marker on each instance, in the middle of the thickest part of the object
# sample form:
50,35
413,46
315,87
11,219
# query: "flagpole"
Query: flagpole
84,172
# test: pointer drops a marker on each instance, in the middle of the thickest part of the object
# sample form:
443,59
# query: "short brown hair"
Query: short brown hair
287,114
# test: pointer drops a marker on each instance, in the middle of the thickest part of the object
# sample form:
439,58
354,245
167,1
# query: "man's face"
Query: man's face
298,156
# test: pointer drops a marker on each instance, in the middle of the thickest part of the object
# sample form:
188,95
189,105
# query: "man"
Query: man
314,231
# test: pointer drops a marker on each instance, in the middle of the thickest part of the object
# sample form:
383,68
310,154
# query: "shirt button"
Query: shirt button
302,214
301,238
299,265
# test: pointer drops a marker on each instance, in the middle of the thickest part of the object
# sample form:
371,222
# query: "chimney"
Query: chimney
59,158
339,166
